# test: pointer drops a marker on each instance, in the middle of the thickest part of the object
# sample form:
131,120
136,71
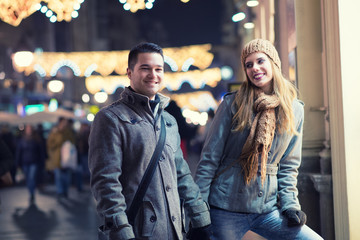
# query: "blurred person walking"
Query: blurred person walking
249,164
29,154
60,133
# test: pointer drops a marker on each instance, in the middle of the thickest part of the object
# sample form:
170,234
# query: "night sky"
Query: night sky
195,22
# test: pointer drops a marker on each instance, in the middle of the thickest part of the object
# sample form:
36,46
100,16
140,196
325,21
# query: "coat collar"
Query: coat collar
135,98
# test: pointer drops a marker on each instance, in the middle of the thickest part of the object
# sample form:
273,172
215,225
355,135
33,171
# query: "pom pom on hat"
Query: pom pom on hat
261,45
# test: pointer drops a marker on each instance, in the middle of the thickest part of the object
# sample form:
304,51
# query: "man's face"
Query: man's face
147,75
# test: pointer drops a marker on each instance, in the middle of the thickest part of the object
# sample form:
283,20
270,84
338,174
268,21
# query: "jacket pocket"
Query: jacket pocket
147,220
271,189
226,178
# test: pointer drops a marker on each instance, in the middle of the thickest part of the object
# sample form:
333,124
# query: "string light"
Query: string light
135,5
14,11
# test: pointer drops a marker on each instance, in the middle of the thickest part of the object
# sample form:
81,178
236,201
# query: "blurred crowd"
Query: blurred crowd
35,157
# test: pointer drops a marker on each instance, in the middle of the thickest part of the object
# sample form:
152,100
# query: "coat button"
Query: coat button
162,158
260,194
168,188
152,219
173,218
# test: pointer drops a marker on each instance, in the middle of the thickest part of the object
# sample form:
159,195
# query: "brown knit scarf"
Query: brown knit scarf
260,138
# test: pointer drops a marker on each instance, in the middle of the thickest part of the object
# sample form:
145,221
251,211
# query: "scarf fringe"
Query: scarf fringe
251,165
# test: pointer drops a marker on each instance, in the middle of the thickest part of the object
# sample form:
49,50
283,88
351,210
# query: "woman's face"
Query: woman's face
259,71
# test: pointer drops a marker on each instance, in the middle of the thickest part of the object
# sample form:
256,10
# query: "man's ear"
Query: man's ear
128,73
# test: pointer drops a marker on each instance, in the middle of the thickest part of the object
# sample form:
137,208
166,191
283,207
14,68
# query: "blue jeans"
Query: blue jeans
62,180
233,226
30,172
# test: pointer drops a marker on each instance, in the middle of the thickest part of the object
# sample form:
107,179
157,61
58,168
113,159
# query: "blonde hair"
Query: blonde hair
282,88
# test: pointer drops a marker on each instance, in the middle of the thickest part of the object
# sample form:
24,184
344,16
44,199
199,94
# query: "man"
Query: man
122,140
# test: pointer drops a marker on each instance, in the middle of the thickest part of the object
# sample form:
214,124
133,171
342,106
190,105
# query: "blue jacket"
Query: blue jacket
122,140
228,190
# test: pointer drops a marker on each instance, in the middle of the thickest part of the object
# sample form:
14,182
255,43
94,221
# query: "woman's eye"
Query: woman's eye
248,65
261,60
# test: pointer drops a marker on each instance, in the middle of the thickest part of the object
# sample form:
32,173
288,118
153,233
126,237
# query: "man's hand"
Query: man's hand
295,217
202,233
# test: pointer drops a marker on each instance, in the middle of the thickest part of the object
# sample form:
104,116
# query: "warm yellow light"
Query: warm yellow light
252,3
55,86
101,97
195,117
23,58
173,81
116,61
90,117
196,101
85,98
14,11
249,25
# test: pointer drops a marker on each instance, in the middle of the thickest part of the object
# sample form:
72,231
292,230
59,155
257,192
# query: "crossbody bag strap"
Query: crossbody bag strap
145,181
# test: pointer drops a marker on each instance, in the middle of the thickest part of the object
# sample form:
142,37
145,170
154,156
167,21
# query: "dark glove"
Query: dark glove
295,217
201,233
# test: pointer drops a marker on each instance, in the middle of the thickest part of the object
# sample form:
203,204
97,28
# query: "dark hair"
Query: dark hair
142,48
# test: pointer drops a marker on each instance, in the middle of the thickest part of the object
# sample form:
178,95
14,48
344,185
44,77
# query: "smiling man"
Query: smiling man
122,141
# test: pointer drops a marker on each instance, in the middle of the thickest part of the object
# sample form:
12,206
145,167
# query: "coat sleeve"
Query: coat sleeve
213,149
288,169
105,161
189,192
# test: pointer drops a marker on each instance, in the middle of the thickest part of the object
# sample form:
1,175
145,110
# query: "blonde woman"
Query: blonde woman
249,164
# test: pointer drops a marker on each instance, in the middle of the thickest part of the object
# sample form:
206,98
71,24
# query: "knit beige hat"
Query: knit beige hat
261,45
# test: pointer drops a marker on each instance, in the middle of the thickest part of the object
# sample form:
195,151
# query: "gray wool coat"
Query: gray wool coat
122,140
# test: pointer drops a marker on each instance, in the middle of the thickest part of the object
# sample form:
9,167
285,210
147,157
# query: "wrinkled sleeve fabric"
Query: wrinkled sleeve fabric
214,147
105,161
289,165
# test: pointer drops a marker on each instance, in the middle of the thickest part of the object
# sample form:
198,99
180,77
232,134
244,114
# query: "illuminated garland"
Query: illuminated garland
14,11
86,64
116,61
172,81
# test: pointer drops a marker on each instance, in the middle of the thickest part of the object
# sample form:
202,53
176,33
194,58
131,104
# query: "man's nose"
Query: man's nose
152,73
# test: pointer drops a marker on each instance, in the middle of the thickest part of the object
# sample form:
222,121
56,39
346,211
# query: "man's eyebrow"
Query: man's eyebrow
148,65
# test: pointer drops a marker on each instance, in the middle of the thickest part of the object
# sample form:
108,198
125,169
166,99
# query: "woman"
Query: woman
249,164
